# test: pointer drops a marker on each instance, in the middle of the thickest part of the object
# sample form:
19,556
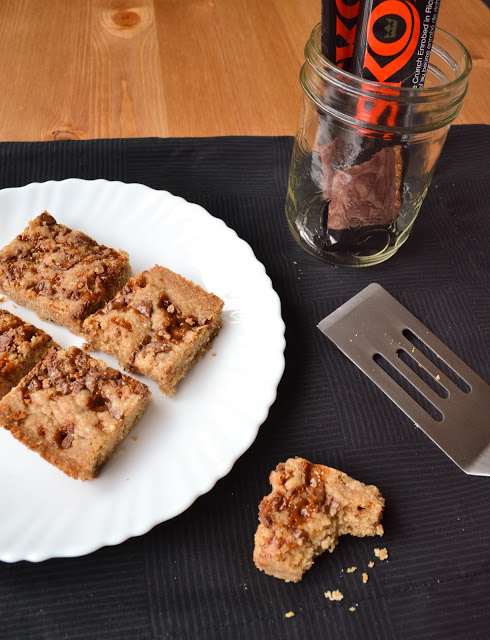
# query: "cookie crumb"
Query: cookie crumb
2,298
289,614
214,355
365,577
134,438
438,377
352,608
371,564
334,595
382,554
351,569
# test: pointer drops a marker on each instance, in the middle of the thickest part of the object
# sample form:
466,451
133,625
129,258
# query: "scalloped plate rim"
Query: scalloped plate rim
78,550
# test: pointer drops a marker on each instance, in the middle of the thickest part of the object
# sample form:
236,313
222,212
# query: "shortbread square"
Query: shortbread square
22,345
73,410
158,325
61,274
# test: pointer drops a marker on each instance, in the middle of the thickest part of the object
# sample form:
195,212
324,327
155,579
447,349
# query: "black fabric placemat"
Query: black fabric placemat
193,577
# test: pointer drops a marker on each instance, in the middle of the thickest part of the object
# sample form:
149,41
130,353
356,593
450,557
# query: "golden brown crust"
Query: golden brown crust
73,410
22,345
61,274
309,508
159,325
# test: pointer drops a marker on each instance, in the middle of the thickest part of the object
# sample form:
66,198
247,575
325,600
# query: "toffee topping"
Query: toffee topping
299,503
40,259
74,373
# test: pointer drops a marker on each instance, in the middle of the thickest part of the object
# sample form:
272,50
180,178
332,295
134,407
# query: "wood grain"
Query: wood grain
122,68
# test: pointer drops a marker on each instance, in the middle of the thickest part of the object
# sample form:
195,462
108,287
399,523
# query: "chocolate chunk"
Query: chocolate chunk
145,307
64,436
158,347
46,220
366,194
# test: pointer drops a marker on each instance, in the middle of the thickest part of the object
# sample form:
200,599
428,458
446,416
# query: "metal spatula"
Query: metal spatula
425,379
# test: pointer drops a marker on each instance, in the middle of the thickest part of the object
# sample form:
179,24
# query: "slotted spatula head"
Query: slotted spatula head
423,377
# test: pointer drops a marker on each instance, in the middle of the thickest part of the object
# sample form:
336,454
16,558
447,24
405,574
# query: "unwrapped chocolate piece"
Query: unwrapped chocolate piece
367,194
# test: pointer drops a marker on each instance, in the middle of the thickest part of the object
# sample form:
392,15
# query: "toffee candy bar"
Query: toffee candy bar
339,20
394,40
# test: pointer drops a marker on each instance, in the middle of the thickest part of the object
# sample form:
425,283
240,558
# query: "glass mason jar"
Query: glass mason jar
365,153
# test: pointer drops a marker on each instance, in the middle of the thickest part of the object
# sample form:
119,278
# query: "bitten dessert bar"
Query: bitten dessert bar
309,508
22,346
73,410
159,325
61,274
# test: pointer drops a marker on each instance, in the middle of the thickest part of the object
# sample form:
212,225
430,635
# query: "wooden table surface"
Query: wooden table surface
75,69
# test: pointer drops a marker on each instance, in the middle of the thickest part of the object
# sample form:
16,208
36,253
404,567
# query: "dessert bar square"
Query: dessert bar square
159,325
309,508
22,345
61,274
73,410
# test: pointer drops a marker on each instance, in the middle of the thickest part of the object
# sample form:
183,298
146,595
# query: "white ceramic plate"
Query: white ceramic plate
183,444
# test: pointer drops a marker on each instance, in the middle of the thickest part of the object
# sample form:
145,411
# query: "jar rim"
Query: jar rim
373,88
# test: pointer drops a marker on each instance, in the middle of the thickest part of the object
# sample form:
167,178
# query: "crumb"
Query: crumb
365,577
134,438
334,595
438,377
351,569
289,614
371,564
382,554
2,298
214,355
14,306
352,608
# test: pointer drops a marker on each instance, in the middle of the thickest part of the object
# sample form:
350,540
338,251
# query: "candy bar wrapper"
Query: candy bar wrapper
339,20
394,40
362,177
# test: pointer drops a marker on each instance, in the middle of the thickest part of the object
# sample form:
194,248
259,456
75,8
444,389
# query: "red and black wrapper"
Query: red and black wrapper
339,21
394,40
